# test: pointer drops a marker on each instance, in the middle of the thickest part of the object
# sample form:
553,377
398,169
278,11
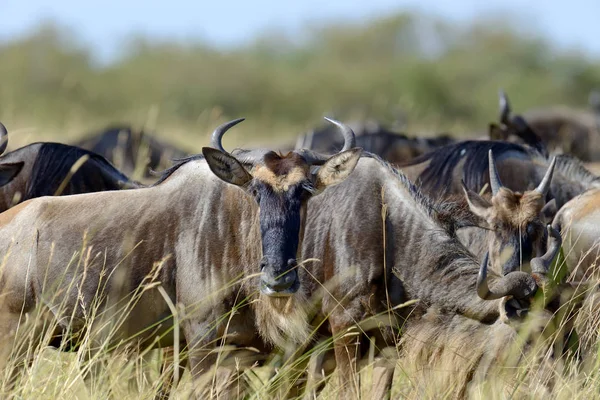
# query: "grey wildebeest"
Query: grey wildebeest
127,148
48,169
399,247
513,231
513,219
195,232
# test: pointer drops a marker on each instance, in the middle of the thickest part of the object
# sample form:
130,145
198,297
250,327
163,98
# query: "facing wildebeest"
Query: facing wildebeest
514,222
44,169
127,147
195,232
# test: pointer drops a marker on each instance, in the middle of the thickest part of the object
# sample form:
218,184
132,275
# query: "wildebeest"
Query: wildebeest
375,138
513,231
399,246
560,129
194,232
440,173
45,169
454,356
515,128
129,148
579,223
516,211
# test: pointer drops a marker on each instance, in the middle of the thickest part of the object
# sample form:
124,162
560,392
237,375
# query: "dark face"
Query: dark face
512,248
280,220
281,187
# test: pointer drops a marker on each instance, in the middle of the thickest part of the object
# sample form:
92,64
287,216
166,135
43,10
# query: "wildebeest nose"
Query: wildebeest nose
263,264
283,282
292,263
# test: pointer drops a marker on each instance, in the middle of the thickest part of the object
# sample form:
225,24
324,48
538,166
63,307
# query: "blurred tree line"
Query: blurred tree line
409,69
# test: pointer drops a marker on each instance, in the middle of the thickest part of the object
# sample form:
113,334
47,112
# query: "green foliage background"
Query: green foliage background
423,73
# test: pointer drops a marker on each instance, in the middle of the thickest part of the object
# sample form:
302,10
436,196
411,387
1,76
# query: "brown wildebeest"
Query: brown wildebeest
194,232
559,129
579,223
45,169
514,222
515,129
127,147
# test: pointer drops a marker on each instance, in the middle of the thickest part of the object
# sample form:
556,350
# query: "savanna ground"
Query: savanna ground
386,69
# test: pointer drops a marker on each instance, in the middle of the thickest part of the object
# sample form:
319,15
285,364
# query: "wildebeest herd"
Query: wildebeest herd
243,242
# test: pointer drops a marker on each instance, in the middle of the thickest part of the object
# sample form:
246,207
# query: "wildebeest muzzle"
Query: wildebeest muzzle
277,281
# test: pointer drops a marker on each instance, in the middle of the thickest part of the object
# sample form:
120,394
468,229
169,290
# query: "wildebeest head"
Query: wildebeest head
519,285
515,128
281,185
516,220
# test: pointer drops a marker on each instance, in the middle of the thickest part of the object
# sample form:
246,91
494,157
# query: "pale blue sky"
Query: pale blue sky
571,24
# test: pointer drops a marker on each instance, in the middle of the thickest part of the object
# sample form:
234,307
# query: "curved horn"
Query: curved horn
544,185
495,183
217,135
3,138
314,158
518,284
349,137
541,265
504,107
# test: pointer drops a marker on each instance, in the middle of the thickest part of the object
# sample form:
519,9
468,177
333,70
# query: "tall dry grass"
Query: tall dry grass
434,356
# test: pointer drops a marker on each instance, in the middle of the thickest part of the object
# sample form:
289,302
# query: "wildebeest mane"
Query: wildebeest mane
571,167
52,166
165,174
443,161
450,213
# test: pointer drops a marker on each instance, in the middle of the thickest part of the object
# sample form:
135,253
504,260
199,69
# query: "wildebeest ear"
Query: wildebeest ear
477,204
549,211
226,167
337,168
8,171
